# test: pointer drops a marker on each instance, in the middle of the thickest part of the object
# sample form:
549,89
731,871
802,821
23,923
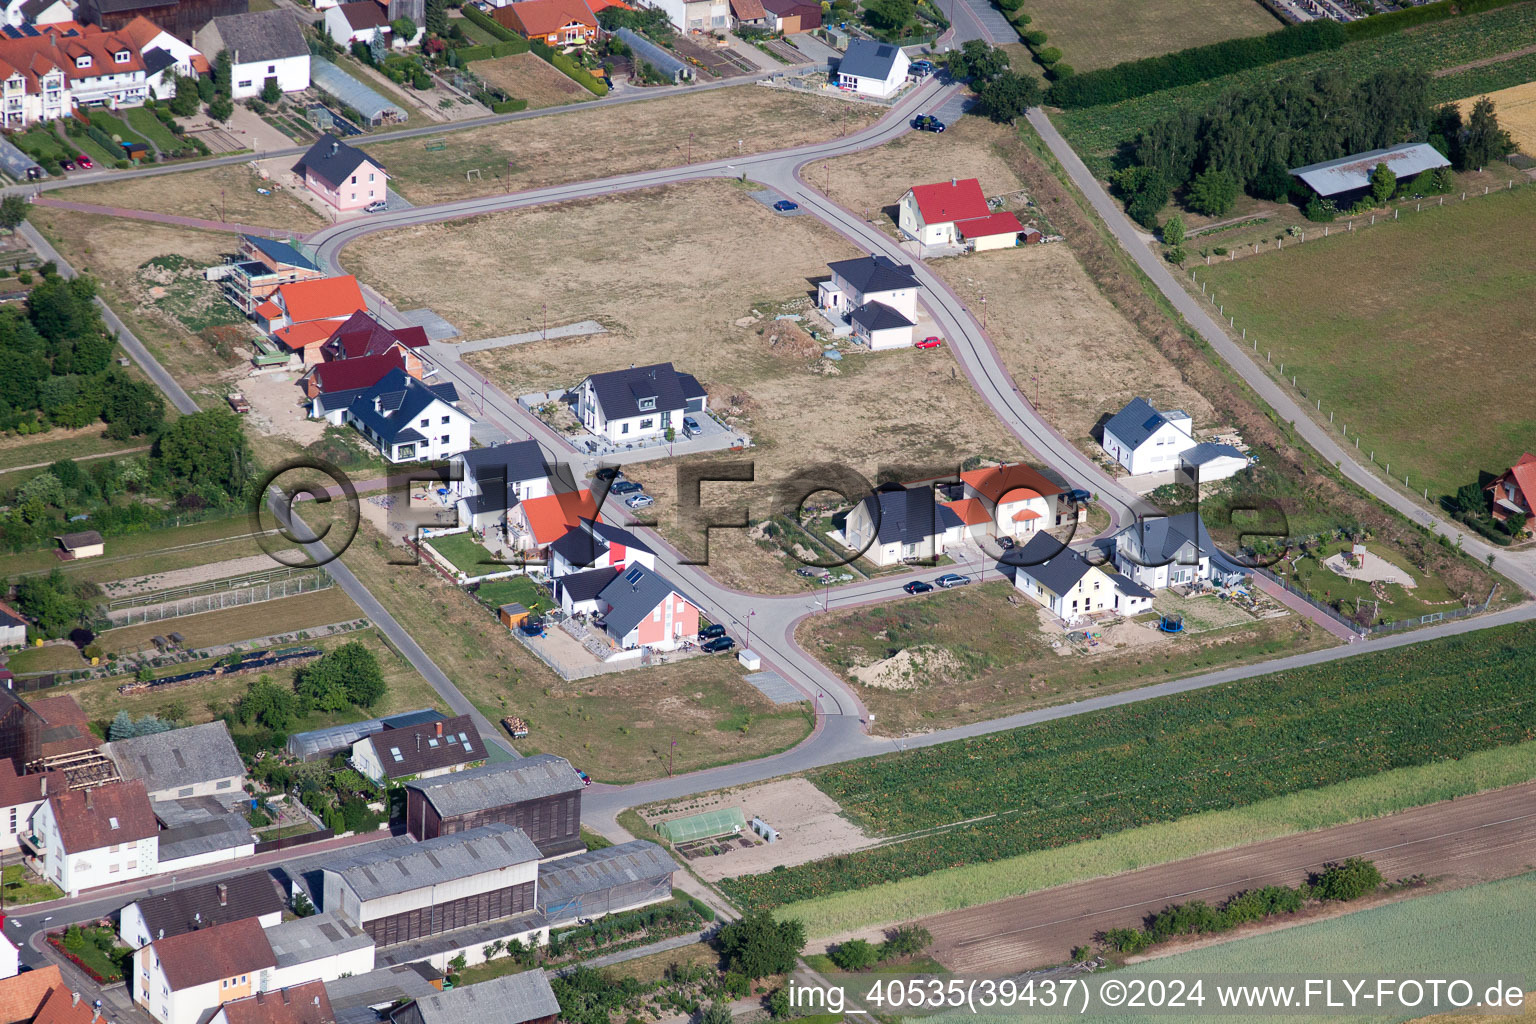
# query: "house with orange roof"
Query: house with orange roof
536,523
975,518
165,57
47,75
22,997
1017,498
304,315
556,22
1514,492
63,1006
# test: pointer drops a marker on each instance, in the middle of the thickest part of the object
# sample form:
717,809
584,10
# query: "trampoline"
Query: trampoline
1172,622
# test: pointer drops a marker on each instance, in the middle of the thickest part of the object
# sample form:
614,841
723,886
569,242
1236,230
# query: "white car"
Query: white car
639,501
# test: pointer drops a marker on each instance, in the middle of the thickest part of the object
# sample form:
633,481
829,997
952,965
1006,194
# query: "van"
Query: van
690,426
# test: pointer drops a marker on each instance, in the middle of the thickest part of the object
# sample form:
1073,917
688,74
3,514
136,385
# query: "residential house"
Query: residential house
597,545
494,479
356,23
1208,462
1144,440
578,592
319,743
872,68
409,421
698,15
404,893
902,524
541,795
180,978
165,57
638,404
20,797
193,907
1017,498
793,16
524,998
199,760
877,295
13,628
63,1006
1514,491
263,266
181,18
975,521
642,608
955,214
305,1003
84,838
535,524
333,386
22,996
749,14
1166,551
264,46
559,23
342,175
50,74
362,335
38,13
1068,585
304,315
419,751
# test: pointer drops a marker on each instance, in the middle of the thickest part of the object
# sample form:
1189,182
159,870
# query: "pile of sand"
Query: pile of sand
907,669
788,340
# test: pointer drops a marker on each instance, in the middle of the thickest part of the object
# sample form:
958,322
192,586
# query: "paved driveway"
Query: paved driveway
978,19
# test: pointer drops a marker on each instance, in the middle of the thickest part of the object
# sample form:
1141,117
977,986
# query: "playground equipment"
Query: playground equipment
1171,622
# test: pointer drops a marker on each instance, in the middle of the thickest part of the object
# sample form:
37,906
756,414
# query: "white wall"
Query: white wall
1159,452
326,968
426,896
292,74
366,760
134,931
212,857
229,786
75,870
14,821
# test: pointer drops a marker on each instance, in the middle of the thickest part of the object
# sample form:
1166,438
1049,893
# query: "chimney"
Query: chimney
74,999
335,147
439,727
45,786
88,803
223,894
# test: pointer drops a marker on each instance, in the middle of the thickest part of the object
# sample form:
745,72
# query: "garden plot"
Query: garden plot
530,77
158,581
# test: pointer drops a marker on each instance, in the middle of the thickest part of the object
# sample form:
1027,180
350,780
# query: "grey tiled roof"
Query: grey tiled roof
909,516
1209,451
1136,422
633,595
569,877
1048,561
1160,541
875,274
877,316
178,758
517,460
867,58
261,36
310,938
460,855
584,586
511,999
254,894
499,784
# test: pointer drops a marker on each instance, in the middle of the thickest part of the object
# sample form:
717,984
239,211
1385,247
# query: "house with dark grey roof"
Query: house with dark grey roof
199,760
1208,461
872,68
409,421
1144,440
605,881
900,524
578,592
200,830
1070,586
358,998
524,998
876,295
496,478
264,46
419,751
595,545
643,609
344,176
639,403
541,795
1168,551
201,905
411,892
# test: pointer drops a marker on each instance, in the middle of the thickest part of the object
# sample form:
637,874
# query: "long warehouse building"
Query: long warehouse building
540,795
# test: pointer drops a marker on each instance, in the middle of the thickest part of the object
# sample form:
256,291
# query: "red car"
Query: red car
84,161
929,343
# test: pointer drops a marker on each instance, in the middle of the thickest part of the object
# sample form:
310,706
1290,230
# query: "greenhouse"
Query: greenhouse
722,822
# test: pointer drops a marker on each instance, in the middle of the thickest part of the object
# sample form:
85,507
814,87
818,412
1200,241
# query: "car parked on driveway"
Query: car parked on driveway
927,123
921,68
622,487
1079,495
690,426
929,343
377,206
717,645
785,206
918,587
1006,543
67,165
639,501
84,161
609,473
951,579
711,631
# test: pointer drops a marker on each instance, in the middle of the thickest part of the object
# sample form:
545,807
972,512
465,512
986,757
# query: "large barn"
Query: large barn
1349,178
605,881
540,795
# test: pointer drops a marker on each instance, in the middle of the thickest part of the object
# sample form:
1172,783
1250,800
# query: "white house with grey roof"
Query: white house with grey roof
643,609
1066,583
1208,461
262,45
1145,440
495,479
524,998
878,298
199,760
1169,551
638,404
321,947
595,545
408,421
873,68
902,524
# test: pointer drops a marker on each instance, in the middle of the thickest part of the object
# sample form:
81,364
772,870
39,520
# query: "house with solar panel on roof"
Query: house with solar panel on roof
420,751
1146,440
495,479
872,68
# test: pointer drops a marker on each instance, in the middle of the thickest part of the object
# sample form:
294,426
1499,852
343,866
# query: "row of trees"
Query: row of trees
1002,94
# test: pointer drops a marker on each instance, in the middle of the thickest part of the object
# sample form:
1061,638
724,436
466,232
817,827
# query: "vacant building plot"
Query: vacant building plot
677,278
1104,32
529,77
637,136
219,194
137,555
1402,354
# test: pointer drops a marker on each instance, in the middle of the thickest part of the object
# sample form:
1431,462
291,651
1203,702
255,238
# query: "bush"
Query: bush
1081,953
1056,72
855,955
1320,210
508,106
905,940
1048,54
580,75
1354,878
1127,940
1035,37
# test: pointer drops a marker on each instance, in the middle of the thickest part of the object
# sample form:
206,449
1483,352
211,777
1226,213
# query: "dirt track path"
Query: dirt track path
1492,835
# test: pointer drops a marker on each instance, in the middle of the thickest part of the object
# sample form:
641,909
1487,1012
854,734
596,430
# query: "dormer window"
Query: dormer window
648,403
121,56
83,61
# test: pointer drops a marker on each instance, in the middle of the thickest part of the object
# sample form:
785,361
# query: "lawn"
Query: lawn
1158,760
513,590
219,193
52,658
475,33
1400,602
1104,32
136,554
689,292
638,136
466,554
1307,810
144,121
974,655
530,77
58,443
1401,354
97,950
246,622
22,886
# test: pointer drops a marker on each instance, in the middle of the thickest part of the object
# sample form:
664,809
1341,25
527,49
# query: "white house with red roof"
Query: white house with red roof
956,214
47,75
1016,498
536,523
83,838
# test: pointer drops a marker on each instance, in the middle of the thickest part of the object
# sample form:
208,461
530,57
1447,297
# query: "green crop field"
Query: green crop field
1104,32
1096,774
1448,44
1404,352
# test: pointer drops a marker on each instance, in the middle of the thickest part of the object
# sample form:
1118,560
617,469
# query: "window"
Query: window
354,195
648,403
243,85
445,439
624,429
242,979
648,423
271,69
425,420
121,56
224,784
370,175
112,870
354,179
184,792
113,848
445,419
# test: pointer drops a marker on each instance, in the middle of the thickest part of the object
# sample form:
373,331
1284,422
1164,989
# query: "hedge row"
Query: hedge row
575,72
1197,64
484,52
1386,24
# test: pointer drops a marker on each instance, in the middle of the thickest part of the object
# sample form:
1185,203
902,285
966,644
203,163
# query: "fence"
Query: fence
289,842
214,596
1386,627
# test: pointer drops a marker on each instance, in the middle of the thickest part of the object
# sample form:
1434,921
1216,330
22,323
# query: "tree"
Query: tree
206,448
1383,183
977,61
223,71
1212,193
1173,232
130,408
1347,881
404,29
758,946
184,103
13,210
1485,140
221,108
779,1006
437,17
271,92
348,675
1005,98
1145,192
265,703
1273,182
905,940
121,727
890,15
52,602
716,1013
856,955
1515,522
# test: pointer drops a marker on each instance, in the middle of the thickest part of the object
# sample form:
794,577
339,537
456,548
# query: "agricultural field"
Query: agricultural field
688,292
1096,35
1455,43
530,77
219,193
954,657
1516,108
640,136
1366,343
1212,749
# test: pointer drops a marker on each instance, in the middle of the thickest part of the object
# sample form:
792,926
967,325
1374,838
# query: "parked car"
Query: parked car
586,780
927,123
929,343
918,587
717,645
785,206
922,68
84,161
623,487
1006,543
690,426
711,631
951,579
377,206
639,501
808,572
1079,495
34,173
67,165
609,473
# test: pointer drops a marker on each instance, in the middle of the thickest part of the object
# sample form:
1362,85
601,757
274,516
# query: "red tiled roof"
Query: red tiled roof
550,517
1024,515
970,511
547,17
603,5
364,14
994,482
362,335
944,202
90,819
23,995
66,729
298,1004
268,310
35,56
305,335
23,789
1003,223
1524,472
65,1007
748,10
212,954
322,298
348,374
140,31
412,337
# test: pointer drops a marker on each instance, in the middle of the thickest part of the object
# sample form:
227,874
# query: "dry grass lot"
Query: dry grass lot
157,551
635,137
198,194
528,76
684,278
233,625
1044,314
1098,33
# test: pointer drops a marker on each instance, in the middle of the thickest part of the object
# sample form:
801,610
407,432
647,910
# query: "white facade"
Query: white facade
166,1005
162,84
909,217
880,88
248,79
339,899
648,424
10,958
15,821
134,930
341,29
1158,451
837,294
1094,592
860,530
696,15
1182,569
13,635
614,556
224,856
445,430
75,870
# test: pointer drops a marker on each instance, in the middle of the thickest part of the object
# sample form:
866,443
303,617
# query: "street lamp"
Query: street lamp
750,613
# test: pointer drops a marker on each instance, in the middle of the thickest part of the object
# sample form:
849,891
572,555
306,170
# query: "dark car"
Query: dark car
922,68
918,587
1079,495
717,645
1006,543
625,487
951,579
67,165
785,206
927,123
609,473
711,631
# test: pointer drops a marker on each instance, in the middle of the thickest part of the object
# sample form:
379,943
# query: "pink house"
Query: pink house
644,609
342,175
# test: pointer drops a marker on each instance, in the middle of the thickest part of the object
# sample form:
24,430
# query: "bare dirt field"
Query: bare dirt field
810,826
671,286
221,193
529,77
635,137
186,577
278,407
